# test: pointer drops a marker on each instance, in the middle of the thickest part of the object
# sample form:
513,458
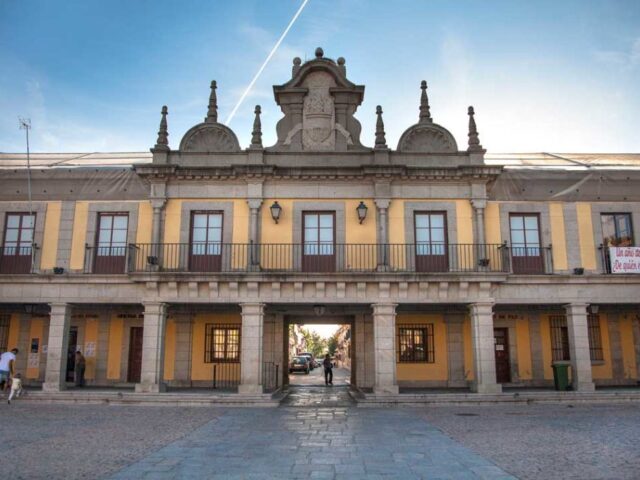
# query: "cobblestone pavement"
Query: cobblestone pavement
126,442
39,441
317,443
549,441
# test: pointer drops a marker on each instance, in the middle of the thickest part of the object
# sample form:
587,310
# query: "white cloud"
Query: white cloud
625,59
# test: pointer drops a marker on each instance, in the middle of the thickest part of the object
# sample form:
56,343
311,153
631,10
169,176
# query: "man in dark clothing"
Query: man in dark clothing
328,370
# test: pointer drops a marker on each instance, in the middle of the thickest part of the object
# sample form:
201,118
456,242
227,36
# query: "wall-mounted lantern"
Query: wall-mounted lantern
319,310
276,210
594,309
362,211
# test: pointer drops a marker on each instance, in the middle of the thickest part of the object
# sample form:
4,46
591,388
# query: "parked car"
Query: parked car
300,364
312,361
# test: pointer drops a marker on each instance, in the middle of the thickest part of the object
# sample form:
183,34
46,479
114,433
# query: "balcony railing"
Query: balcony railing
17,260
531,260
319,258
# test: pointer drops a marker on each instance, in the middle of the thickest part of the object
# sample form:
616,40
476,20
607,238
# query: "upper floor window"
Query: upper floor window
205,254
617,230
526,253
111,246
431,241
18,243
318,238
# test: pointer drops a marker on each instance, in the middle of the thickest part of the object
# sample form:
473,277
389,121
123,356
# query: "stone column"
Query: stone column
384,347
383,232
484,356
578,330
254,219
56,371
153,336
455,349
251,348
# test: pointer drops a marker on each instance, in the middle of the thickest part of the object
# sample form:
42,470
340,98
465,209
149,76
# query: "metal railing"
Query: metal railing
270,377
226,375
318,258
106,260
530,260
18,260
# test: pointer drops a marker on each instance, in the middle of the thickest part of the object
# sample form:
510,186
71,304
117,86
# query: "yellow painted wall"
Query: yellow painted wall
14,331
199,369
51,233
464,218
79,237
468,350
35,331
277,256
90,336
172,221
145,219
114,356
525,371
558,241
439,370
360,233
492,223
585,234
605,371
170,350
628,347
395,215
545,338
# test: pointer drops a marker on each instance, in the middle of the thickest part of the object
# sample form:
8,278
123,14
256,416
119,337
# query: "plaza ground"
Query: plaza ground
301,440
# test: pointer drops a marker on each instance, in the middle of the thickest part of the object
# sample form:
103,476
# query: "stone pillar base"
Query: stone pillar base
489,388
151,387
249,389
53,387
386,390
584,387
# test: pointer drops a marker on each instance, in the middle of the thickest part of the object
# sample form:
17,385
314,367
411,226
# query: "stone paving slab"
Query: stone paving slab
332,443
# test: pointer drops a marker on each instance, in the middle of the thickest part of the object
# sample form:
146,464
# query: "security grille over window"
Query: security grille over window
559,338
4,331
595,338
415,343
222,343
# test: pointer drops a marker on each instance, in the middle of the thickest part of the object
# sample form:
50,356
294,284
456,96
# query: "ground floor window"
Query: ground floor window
222,343
560,338
415,344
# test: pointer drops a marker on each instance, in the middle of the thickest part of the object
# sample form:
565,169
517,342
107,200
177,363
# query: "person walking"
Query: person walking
79,369
7,366
328,370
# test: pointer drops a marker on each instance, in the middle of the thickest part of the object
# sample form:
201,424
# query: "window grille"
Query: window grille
4,332
595,338
415,343
559,338
222,343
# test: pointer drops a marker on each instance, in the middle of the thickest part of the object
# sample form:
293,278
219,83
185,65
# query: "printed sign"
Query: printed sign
90,349
34,360
624,259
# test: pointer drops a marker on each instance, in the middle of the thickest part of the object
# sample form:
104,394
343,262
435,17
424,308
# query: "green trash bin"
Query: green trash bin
561,375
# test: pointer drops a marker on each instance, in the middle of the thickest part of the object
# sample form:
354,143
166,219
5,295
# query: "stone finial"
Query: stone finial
296,66
212,114
381,141
341,66
319,52
474,139
425,114
163,133
256,134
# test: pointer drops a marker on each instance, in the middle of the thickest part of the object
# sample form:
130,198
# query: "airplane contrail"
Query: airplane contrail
264,64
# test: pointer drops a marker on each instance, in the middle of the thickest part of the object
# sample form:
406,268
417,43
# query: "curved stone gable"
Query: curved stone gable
210,137
427,138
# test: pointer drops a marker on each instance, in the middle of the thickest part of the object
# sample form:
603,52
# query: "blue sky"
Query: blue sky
560,76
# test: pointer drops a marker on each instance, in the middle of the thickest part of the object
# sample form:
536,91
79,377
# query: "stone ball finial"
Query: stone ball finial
470,111
214,84
378,110
257,111
341,61
319,52
165,110
423,84
297,61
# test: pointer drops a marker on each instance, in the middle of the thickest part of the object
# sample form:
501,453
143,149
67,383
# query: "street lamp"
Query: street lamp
276,210
319,310
362,211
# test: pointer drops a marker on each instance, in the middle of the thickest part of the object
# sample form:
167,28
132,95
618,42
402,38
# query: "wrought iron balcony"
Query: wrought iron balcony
318,258
18,259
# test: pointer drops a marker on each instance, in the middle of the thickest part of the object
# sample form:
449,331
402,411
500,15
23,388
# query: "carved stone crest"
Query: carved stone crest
318,114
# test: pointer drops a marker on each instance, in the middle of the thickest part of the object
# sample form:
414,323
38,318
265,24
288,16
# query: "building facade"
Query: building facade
454,269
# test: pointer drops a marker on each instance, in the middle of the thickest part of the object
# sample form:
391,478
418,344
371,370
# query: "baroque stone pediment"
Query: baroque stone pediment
210,137
427,138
